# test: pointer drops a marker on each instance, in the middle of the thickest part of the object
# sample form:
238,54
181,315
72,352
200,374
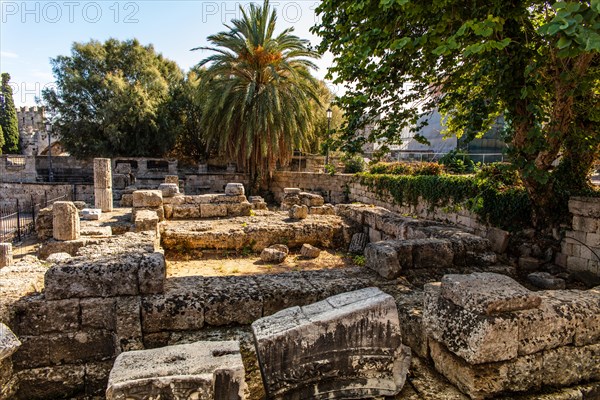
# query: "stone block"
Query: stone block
9,343
382,257
234,189
567,365
221,199
298,212
585,206
488,293
96,378
186,211
180,308
51,382
65,221
529,263
98,313
285,290
326,209
128,330
374,235
311,199
213,210
126,200
90,214
431,253
174,179
331,348
146,220
168,189
239,209
35,315
120,181
80,347
475,338
59,257
309,251
358,243
545,280
147,198
232,300
292,191
113,276
200,370
103,199
6,255
585,224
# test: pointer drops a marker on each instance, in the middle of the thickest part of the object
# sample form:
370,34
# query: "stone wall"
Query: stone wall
25,192
212,183
17,168
345,188
580,249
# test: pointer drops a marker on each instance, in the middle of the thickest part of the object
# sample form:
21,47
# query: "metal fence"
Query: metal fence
430,156
17,221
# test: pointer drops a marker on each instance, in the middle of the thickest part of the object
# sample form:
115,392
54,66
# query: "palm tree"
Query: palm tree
259,89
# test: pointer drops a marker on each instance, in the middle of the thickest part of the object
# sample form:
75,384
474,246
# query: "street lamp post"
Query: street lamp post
50,173
329,112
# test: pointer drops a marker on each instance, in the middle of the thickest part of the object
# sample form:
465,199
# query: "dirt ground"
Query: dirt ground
223,263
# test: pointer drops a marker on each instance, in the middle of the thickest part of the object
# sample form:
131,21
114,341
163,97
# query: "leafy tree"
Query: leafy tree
114,99
533,62
260,95
9,135
320,138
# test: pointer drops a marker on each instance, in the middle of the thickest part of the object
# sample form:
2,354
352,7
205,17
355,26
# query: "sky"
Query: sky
33,32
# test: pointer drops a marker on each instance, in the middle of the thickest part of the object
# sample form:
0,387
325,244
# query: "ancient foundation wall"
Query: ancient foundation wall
212,183
580,249
345,188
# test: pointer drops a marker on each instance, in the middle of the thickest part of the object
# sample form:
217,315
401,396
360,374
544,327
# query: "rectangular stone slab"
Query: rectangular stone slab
200,370
488,293
347,346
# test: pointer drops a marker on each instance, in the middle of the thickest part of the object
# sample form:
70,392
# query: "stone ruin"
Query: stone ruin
83,325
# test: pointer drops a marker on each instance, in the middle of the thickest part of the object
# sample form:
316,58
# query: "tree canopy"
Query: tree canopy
260,95
533,62
114,99
9,126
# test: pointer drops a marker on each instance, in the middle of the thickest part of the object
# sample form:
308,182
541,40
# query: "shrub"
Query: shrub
353,164
457,162
406,168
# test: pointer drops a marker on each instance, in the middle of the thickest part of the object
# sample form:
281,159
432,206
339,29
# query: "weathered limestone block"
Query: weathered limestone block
431,253
126,200
123,168
65,221
6,255
58,257
234,189
124,275
51,382
545,280
102,173
257,202
147,198
96,231
43,223
160,211
498,239
488,293
329,349
584,206
120,181
34,315
291,191
239,209
172,179
186,211
290,200
200,370
383,258
272,255
326,209
146,220
308,251
474,337
358,243
98,313
168,189
90,214
286,290
9,343
232,300
311,199
128,330
298,212
103,199
179,308
213,210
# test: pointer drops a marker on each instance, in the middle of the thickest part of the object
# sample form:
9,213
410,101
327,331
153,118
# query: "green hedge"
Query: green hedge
501,206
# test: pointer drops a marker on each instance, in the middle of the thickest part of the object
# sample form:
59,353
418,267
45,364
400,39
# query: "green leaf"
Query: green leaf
400,43
559,5
563,42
